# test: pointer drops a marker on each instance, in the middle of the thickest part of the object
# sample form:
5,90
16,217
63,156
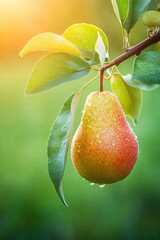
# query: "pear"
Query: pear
104,148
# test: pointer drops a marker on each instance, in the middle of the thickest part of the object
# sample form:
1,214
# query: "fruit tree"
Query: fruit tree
104,148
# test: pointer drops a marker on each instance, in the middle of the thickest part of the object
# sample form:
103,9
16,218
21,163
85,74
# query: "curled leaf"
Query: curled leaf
49,42
101,50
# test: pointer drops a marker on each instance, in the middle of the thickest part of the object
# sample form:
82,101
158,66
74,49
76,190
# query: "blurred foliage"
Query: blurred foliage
29,205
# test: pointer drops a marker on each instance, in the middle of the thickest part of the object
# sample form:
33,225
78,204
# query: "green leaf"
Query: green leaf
101,50
54,69
59,142
130,98
121,9
84,36
146,72
137,84
128,12
146,68
136,9
136,100
49,42
60,138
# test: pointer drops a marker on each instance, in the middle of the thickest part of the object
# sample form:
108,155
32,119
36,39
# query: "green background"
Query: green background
29,205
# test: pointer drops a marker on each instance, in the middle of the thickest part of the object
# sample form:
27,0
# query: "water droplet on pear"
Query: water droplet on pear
115,145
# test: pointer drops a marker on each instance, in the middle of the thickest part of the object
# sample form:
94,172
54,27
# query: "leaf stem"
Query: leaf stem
135,50
88,83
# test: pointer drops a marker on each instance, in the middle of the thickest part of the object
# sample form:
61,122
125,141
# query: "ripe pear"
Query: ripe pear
104,148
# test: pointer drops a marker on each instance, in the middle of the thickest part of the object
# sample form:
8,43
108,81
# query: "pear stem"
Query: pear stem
101,80
135,50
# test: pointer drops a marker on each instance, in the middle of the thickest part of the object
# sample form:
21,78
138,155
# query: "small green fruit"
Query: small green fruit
151,19
158,7
104,148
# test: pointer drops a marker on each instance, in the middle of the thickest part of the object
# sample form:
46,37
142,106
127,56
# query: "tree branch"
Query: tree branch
135,50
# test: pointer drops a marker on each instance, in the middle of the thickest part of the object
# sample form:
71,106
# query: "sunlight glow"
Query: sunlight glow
18,19
6,4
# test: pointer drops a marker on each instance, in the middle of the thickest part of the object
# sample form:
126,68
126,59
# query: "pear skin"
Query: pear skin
104,148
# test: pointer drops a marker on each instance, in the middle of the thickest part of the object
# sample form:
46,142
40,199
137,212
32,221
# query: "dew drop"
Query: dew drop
91,183
83,178
102,185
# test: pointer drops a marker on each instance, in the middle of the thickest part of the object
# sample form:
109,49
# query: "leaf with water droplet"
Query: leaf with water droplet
59,142
146,68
